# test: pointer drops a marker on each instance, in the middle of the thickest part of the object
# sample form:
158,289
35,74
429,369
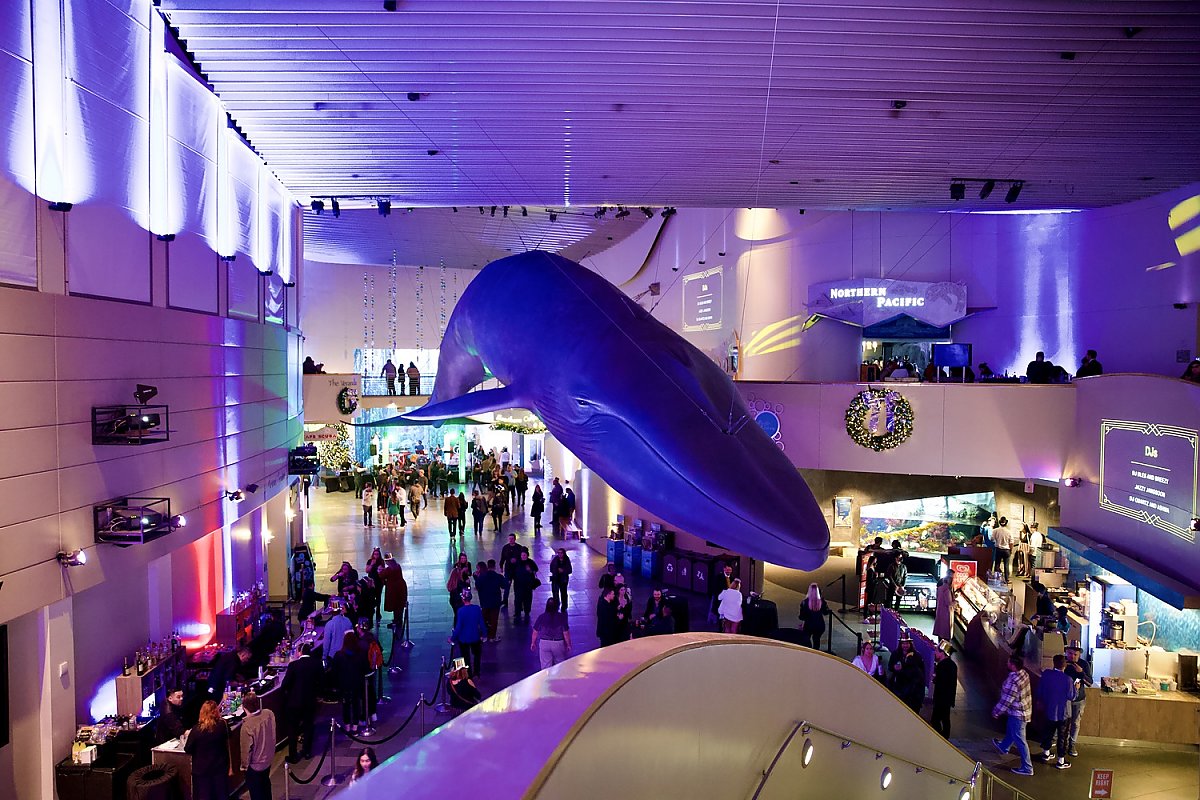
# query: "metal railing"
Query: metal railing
989,787
377,386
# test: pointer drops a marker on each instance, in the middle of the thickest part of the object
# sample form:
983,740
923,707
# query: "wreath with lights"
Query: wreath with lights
347,401
891,414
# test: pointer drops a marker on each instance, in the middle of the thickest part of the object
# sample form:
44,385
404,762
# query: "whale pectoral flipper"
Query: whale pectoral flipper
467,404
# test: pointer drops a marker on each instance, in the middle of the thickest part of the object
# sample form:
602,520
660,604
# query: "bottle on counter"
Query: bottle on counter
125,669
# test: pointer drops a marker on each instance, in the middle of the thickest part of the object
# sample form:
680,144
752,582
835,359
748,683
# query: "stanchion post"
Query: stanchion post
368,729
421,706
332,779
287,780
406,642
383,698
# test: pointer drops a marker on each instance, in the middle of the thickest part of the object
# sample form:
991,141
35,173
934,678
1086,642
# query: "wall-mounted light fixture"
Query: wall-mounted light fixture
72,558
806,753
237,495
885,778
144,393
1071,482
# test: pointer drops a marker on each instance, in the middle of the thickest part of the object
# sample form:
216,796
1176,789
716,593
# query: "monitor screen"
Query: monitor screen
952,355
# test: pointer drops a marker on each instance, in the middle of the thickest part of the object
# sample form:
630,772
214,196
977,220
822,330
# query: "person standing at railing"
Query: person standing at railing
389,374
414,379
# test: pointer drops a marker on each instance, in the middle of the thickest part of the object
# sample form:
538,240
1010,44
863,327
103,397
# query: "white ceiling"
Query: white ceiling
692,102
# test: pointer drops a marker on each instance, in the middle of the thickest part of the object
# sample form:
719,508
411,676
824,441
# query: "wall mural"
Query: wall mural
633,400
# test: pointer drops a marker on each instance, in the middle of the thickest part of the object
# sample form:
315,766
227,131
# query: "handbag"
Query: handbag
536,583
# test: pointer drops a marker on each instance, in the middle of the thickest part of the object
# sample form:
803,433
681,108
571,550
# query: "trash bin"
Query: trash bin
651,564
633,559
616,551
701,569
155,782
683,572
668,569
760,618
680,612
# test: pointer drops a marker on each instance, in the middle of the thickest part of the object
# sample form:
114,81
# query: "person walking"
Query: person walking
257,739
499,507
1056,690
368,505
469,632
812,618
479,511
521,485
389,374
945,687
551,637
208,745
729,607
1017,703
415,492
525,580
1080,673
537,507
462,514
510,555
450,509
490,586
560,573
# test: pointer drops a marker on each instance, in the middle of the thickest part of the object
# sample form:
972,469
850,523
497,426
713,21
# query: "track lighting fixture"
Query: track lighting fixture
493,211
899,104
251,487
384,207
524,211
432,152
390,5
318,206
144,393
506,212
333,204
667,213
806,753
63,207
554,216
986,189
72,558
622,212
414,96
165,237
237,495
649,212
481,210
600,212
1014,192
229,259
958,190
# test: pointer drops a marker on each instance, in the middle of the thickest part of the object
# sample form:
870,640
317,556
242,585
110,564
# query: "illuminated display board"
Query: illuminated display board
1148,472
702,300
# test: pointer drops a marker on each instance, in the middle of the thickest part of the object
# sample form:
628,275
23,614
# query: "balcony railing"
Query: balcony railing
377,386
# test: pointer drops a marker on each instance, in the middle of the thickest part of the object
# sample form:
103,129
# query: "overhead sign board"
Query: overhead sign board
868,301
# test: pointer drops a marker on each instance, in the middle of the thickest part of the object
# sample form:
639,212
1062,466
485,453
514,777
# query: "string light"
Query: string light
392,310
442,310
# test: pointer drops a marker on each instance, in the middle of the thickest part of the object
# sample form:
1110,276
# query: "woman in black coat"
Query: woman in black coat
208,745
537,507
906,674
812,618
624,613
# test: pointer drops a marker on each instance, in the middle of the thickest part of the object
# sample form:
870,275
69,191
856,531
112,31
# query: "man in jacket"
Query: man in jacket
491,586
898,577
1080,672
1055,691
395,595
510,554
258,746
469,632
299,687
560,573
450,509
1017,703
906,674
945,686
332,636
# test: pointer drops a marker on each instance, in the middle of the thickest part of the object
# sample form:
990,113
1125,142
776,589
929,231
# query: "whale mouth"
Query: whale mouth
683,478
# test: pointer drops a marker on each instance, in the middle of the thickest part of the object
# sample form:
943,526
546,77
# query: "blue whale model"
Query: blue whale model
633,400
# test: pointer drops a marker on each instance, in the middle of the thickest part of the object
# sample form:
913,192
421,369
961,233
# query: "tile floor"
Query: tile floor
426,551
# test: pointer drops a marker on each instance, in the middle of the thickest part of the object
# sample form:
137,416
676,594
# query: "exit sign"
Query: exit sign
1102,782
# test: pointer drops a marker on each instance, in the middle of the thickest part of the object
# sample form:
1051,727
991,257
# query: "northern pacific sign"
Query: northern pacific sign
869,301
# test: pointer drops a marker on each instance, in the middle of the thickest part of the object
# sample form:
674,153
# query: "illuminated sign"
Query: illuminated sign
961,572
1148,472
872,300
702,299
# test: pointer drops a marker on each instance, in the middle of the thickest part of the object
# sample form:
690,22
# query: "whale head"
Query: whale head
668,427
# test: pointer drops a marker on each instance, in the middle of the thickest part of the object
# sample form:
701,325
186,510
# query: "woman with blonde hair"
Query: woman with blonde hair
208,745
812,618
729,607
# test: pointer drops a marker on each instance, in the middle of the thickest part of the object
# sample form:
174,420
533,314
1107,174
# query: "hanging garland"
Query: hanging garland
879,419
517,427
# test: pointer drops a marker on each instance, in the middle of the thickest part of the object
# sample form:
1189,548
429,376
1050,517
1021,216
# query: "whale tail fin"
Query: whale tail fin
467,404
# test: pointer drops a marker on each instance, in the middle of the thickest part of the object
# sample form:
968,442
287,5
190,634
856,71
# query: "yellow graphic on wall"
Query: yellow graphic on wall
1187,242
781,335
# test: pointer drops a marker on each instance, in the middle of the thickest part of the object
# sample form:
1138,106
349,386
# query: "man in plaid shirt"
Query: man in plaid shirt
1017,702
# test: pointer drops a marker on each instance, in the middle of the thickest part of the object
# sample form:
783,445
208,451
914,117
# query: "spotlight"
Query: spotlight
958,190
885,778
899,104
251,487
178,521
1196,523
622,212
454,209
229,259
1014,192
144,393
390,5
165,237
986,189
481,210
554,216
1067,55
236,495
845,744
63,207
878,756
524,211
384,207
493,211
72,558
649,212
600,212
806,753
318,206
667,213
414,96
1131,32
964,793
506,212
266,273
432,152
333,205
722,253
1071,482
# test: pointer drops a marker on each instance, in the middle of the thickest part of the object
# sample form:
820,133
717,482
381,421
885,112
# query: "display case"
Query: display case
977,598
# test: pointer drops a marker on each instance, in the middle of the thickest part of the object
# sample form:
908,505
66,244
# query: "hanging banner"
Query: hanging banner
869,301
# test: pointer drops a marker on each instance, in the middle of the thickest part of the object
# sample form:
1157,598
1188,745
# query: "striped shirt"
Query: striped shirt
1015,698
